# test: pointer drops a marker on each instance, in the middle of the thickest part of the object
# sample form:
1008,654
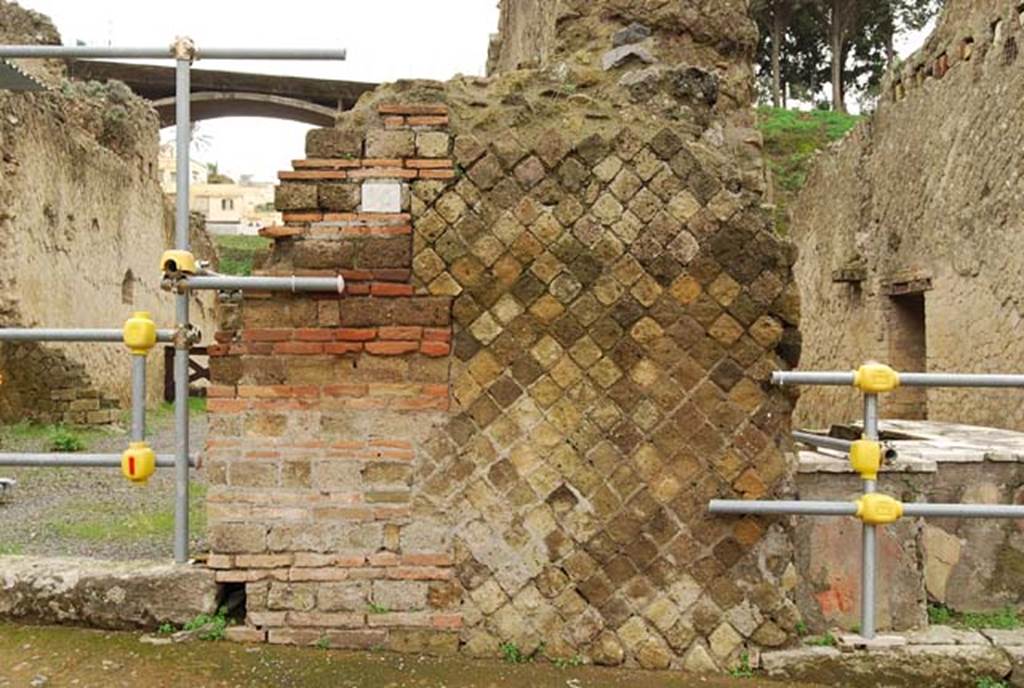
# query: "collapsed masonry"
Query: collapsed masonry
563,301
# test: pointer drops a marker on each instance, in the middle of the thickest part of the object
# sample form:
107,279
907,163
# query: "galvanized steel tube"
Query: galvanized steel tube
796,377
100,52
839,378
823,441
911,510
42,460
28,334
869,544
291,284
138,398
781,507
270,54
181,242
889,452
960,380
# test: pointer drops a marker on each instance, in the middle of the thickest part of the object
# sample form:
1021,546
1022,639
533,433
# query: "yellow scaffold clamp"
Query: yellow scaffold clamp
177,262
878,509
866,458
875,378
140,333
138,462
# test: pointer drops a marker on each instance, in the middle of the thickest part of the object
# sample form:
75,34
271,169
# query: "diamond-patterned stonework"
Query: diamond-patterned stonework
617,301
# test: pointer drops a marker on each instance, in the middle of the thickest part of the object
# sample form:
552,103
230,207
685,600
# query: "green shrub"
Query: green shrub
64,440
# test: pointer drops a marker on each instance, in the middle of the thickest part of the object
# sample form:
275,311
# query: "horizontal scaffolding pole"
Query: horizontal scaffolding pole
28,334
910,509
292,284
823,441
840,445
782,507
840,379
100,52
80,460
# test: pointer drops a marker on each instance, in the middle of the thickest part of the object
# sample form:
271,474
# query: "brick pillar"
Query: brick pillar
321,403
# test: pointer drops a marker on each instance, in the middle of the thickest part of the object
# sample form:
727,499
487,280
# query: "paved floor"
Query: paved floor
44,656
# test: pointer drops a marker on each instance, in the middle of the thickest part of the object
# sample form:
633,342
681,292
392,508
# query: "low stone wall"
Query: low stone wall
969,565
104,594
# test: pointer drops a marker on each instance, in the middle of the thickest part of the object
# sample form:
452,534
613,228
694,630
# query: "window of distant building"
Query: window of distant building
227,204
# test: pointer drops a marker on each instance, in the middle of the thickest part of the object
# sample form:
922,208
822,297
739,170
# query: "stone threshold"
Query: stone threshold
938,656
96,593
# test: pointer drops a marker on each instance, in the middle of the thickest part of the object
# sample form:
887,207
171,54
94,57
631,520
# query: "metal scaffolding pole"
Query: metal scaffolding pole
889,452
293,284
20,334
138,399
869,546
781,508
842,379
741,507
78,460
101,52
183,134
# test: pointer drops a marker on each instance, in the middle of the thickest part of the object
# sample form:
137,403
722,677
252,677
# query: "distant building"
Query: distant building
235,208
169,171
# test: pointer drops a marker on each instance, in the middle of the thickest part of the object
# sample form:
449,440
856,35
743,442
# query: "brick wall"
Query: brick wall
552,350
321,406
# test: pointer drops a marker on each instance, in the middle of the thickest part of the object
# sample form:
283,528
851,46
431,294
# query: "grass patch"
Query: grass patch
989,682
51,437
827,640
512,654
238,253
10,549
99,522
166,408
744,669
791,138
1007,618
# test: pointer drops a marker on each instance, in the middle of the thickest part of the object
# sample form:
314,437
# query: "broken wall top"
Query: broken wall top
715,36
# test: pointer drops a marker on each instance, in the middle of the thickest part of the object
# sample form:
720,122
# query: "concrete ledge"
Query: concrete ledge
939,657
103,594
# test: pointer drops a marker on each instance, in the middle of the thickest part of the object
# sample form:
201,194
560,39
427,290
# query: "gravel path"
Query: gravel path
95,512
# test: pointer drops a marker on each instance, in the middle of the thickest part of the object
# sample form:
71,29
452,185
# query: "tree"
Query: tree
866,31
790,52
774,17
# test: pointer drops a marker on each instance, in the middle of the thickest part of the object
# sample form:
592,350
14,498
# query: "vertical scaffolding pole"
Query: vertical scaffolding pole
138,399
181,345
869,543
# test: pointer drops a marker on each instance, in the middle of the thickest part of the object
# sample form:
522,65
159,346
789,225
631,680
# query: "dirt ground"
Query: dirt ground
47,656
95,512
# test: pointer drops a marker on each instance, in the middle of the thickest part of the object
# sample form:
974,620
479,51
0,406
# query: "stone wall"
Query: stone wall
923,198
563,302
82,223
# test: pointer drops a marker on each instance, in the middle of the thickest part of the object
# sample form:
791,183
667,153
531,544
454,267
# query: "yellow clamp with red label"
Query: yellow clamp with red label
140,333
875,378
878,509
866,458
138,462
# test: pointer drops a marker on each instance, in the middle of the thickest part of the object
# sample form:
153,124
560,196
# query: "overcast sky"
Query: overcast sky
385,39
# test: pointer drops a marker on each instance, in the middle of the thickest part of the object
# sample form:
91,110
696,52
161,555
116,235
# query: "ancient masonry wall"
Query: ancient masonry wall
547,481
564,299
949,232
82,226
